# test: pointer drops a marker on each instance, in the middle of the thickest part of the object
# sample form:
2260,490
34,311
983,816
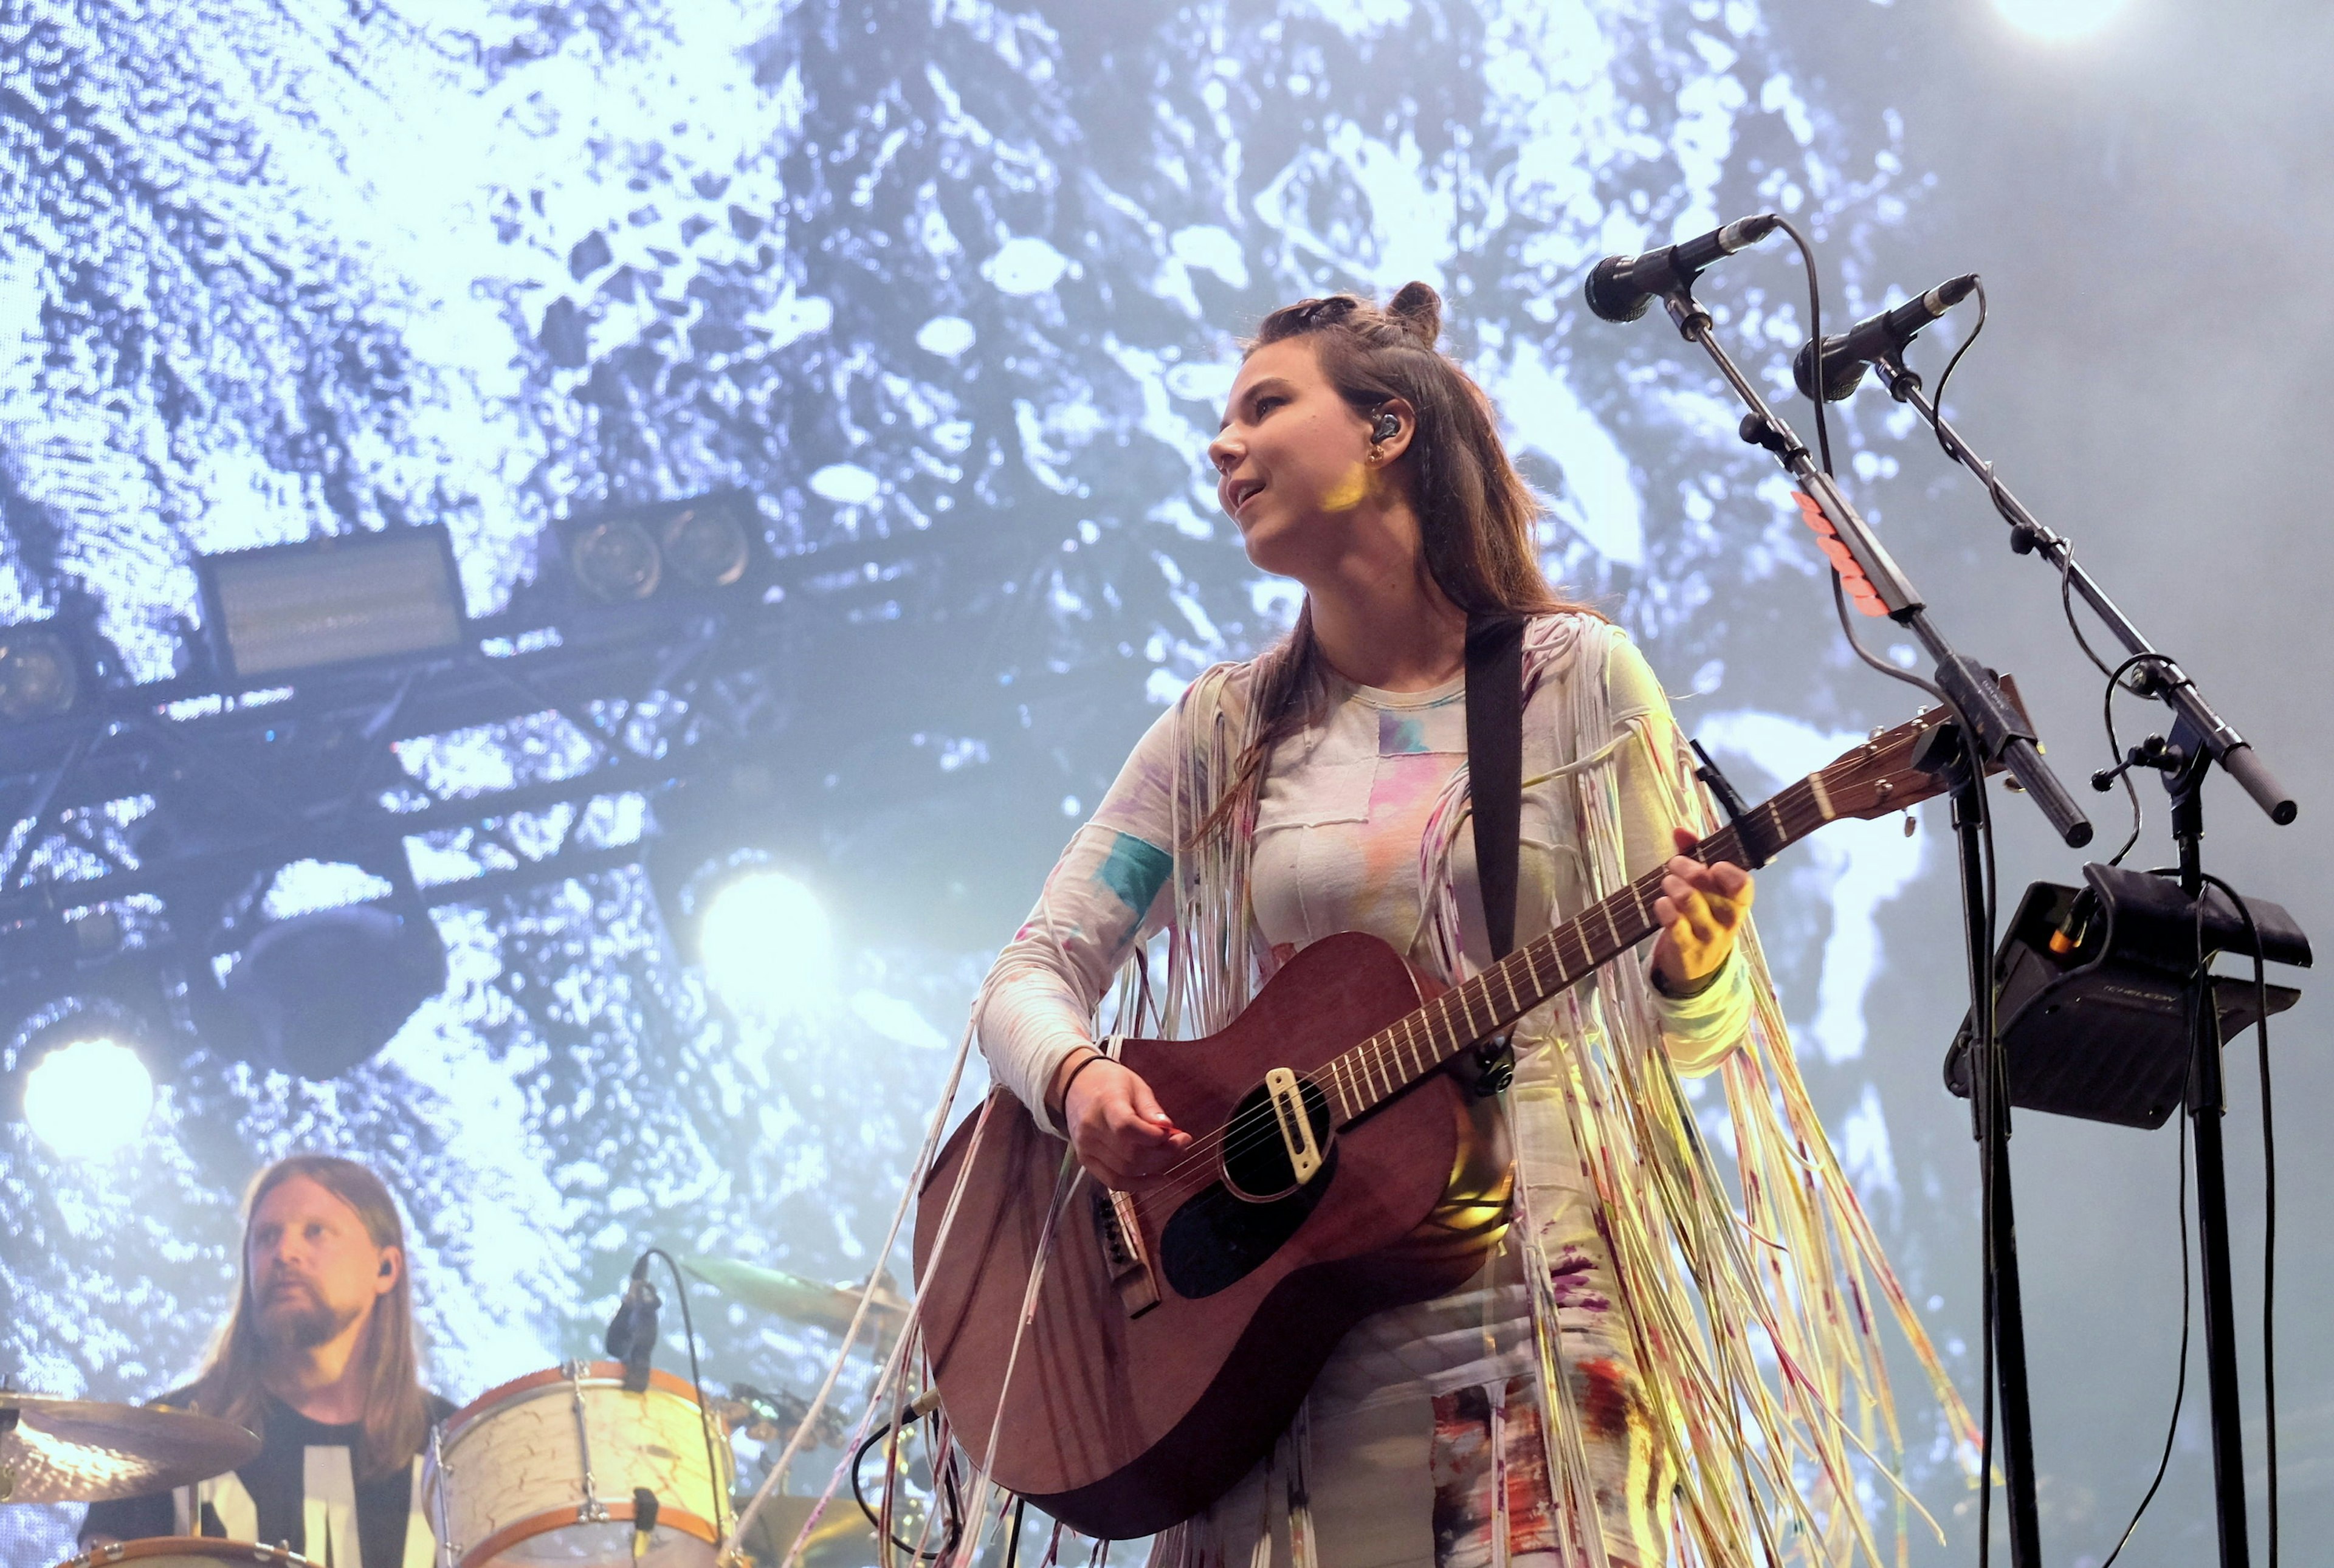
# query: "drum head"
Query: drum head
188,1552
516,1473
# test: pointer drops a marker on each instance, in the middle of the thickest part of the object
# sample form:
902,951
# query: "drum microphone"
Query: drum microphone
632,1331
1619,287
1845,355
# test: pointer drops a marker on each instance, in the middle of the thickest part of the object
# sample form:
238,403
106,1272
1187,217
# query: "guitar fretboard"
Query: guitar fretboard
1369,1074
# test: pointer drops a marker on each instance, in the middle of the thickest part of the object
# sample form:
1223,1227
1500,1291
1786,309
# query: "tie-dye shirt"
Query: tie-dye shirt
1339,822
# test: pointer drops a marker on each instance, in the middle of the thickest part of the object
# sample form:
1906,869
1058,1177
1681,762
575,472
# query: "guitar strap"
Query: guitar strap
1495,773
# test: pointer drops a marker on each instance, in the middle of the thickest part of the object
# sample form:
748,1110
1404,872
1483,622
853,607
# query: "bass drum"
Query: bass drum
188,1552
553,1469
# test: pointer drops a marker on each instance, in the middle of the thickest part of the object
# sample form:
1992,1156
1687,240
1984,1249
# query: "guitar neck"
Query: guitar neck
1369,1074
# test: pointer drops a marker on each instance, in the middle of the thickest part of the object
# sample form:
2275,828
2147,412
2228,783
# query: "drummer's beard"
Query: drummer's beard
301,1319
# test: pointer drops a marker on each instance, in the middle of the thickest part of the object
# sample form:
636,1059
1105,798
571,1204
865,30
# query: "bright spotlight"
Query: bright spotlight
766,946
87,1097
2058,19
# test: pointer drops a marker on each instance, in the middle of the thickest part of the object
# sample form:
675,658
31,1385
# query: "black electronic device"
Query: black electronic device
2095,991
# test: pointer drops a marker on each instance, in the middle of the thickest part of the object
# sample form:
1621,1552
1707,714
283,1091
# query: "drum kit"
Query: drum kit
565,1466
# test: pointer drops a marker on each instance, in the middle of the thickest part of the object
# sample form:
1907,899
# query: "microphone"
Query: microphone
633,1333
1619,287
1846,355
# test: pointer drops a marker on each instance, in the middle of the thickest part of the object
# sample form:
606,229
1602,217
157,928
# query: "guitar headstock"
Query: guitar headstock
1886,772
1893,769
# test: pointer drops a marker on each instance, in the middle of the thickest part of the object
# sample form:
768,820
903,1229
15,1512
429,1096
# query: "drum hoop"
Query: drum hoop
562,1519
596,1375
188,1545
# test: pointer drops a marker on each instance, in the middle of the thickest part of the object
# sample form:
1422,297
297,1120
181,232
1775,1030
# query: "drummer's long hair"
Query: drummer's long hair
396,1409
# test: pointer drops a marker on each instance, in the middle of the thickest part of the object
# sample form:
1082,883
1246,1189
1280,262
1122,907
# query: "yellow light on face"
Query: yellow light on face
1348,492
87,1098
2058,19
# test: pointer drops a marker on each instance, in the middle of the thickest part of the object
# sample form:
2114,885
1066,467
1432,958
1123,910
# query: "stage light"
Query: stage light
286,608
2058,19
765,945
616,560
706,544
89,1096
316,995
697,544
50,668
37,679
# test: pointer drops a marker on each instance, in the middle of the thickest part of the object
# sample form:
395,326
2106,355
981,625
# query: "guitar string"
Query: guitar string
1789,819
1569,947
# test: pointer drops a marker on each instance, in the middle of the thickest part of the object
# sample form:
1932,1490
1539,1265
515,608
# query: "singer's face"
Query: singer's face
313,1268
1290,459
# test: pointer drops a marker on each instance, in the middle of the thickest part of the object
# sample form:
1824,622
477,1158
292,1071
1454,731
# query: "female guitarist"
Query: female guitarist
1573,1402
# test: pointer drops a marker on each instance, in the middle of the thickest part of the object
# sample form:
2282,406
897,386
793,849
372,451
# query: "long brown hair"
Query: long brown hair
1477,518
396,1410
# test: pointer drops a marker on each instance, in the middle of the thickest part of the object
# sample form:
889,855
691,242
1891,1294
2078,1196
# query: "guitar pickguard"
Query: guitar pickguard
1215,1240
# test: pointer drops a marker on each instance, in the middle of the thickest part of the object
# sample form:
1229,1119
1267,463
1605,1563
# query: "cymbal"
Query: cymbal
89,1451
843,1538
826,1306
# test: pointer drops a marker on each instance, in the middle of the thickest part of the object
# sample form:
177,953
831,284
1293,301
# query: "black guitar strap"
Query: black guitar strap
1495,765
1495,780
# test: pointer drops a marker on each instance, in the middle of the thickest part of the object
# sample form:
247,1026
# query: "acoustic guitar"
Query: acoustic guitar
1341,1164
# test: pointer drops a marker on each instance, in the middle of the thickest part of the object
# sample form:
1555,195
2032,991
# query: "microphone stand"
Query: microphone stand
2200,736
1992,732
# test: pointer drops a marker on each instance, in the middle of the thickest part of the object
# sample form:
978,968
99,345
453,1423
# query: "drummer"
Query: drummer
318,1358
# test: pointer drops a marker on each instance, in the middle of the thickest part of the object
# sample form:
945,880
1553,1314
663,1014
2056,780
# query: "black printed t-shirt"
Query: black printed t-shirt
276,1479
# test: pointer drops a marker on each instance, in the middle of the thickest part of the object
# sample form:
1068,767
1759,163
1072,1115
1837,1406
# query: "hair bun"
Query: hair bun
1419,309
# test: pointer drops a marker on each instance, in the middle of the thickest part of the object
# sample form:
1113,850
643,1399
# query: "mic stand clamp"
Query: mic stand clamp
1992,731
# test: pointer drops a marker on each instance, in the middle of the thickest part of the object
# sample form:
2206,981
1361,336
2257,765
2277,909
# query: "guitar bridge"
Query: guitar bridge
1119,1230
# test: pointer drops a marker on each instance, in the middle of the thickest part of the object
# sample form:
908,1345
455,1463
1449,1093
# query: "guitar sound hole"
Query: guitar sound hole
1256,1158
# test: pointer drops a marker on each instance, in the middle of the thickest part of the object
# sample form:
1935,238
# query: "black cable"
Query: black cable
2067,605
1937,400
1847,630
1998,1103
2268,1194
1815,335
697,1382
2114,745
1013,1547
2180,1385
2021,536
950,1524
1985,1373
